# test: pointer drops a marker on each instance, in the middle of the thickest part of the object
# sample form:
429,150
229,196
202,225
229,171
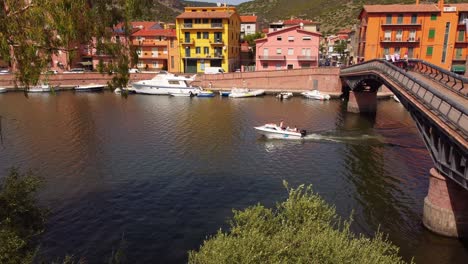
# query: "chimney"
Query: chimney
417,2
441,5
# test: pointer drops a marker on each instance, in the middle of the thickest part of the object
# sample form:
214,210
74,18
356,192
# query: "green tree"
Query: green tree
32,30
340,48
21,218
302,229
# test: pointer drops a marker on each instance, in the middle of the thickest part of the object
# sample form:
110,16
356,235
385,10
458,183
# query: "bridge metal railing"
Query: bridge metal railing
449,110
452,81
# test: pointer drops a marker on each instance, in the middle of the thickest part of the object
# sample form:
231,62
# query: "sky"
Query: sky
231,2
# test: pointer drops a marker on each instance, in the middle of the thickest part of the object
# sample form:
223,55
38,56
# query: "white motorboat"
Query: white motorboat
243,92
89,87
284,95
118,90
3,90
165,83
40,88
275,131
316,94
396,99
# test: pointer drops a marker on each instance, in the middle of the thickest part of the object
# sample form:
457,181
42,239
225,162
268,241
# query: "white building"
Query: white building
249,25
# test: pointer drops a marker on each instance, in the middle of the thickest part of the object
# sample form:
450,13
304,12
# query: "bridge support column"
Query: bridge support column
362,102
446,207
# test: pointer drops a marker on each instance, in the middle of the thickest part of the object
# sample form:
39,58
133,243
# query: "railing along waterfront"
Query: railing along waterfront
449,110
450,80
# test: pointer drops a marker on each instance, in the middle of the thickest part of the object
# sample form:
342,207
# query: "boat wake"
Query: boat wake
344,138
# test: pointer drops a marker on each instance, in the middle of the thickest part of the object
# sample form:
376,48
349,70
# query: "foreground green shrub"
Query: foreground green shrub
302,229
21,218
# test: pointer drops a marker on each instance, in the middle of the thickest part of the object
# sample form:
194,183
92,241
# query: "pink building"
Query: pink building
288,48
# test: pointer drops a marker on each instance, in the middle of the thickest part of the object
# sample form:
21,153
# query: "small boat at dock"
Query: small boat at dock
284,95
274,131
40,88
206,93
3,90
89,88
316,94
244,92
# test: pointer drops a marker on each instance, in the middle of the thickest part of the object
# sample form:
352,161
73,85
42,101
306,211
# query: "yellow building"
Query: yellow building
208,37
434,32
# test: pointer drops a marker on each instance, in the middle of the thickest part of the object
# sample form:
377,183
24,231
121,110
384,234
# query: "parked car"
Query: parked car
4,71
75,70
134,70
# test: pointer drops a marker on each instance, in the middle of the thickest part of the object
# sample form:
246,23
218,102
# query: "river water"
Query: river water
162,173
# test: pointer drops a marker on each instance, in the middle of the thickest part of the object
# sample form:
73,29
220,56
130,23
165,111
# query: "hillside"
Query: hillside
332,14
163,10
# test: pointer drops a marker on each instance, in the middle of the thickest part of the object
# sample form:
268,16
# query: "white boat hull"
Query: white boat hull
316,95
91,87
39,89
242,94
272,131
3,90
161,90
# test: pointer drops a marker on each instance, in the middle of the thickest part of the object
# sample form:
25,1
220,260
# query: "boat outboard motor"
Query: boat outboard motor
303,132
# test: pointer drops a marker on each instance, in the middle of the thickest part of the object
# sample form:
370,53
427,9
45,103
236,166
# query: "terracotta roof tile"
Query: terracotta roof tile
461,7
154,32
205,15
401,8
248,19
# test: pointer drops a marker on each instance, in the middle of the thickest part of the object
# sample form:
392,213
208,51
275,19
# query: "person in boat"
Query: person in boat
281,125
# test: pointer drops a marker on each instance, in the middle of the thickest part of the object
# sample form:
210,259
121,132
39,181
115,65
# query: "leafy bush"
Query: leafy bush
21,218
302,229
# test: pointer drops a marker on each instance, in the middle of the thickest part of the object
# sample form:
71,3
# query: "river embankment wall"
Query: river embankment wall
296,80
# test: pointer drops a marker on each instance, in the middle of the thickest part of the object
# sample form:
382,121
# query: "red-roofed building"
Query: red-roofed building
249,25
308,25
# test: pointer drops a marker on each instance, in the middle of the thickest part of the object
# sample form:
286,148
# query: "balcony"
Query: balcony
272,57
459,59
306,58
383,23
153,55
149,43
201,26
187,41
400,40
211,56
461,41
215,42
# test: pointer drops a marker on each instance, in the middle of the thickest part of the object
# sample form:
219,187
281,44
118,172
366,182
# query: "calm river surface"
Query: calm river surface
164,173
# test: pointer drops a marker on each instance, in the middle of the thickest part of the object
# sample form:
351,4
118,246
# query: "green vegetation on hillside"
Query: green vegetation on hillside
302,229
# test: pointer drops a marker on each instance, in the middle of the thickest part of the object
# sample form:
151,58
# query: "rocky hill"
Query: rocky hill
332,14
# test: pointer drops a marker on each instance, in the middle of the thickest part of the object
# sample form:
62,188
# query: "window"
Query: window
198,35
172,43
458,53
444,47
279,38
386,51
414,18
248,27
155,64
278,66
388,35
290,51
410,52
306,38
400,19
165,50
389,19
397,50
429,50
154,52
205,21
412,35
197,50
172,62
265,65
205,35
278,51
206,50
265,52
197,21
399,35
291,38
431,33
290,67
433,16
202,65
461,35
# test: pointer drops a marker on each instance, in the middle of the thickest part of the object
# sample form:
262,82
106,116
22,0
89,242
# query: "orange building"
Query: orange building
432,32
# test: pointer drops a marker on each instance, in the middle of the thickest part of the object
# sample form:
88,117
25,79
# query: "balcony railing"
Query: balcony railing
186,41
202,26
400,40
459,59
211,56
216,42
306,58
412,23
151,42
272,57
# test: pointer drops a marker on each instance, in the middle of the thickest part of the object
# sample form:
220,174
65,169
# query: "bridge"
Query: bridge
437,100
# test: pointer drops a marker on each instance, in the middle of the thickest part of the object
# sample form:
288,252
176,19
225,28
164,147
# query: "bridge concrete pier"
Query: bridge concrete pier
445,207
362,101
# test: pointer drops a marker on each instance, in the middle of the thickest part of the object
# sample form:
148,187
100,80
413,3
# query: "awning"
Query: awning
458,68
86,63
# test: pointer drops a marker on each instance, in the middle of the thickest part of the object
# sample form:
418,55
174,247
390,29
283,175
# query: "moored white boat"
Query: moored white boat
90,87
284,95
206,93
165,83
40,88
275,131
3,90
243,92
316,94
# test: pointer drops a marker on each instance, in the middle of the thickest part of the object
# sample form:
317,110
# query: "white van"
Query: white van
213,70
